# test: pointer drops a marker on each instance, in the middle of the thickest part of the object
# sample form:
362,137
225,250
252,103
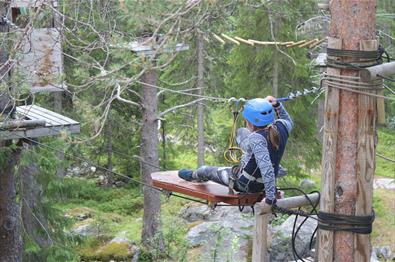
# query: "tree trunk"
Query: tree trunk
109,142
10,235
150,163
58,107
275,74
200,105
352,23
33,217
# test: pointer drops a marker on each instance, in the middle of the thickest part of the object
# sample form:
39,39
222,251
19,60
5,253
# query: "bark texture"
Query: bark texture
200,106
10,231
150,163
353,22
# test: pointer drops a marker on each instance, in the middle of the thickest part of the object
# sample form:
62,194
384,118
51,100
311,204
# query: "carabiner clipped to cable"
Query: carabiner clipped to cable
233,153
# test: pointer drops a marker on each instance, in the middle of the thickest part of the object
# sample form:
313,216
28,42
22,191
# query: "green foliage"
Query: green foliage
62,244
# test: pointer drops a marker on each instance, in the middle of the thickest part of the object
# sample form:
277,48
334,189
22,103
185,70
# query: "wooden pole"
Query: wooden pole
327,201
353,21
373,73
259,245
259,250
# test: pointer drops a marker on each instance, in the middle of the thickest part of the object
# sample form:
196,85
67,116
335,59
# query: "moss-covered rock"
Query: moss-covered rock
110,251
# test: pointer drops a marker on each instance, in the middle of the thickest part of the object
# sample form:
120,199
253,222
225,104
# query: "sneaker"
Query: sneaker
186,174
282,172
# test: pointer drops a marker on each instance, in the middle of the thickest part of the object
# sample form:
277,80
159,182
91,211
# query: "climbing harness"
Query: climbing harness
233,153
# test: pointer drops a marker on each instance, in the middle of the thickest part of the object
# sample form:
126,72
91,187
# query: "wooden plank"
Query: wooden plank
365,162
259,250
209,191
28,3
39,132
60,117
327,202
39,113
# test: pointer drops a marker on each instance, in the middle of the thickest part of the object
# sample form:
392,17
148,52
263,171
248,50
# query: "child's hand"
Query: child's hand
272,100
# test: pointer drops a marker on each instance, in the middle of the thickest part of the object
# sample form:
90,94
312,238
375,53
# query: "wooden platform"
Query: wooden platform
210,191
54,124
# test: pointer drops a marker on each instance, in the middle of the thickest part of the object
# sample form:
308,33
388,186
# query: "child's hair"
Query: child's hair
274,137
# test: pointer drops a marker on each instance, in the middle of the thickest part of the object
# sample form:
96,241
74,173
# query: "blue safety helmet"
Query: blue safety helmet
258,112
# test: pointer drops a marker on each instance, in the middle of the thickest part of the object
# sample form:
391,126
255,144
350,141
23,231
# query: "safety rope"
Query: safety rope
233,153
354,84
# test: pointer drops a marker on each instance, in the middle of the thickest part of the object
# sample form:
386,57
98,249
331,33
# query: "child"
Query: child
263,143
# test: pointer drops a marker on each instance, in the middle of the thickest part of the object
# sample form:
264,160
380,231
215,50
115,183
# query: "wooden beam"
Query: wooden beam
230,39
259,244
296,43
365,162
289,202
259,248
308,42
327,201
219,39
243,40
373,73
21,124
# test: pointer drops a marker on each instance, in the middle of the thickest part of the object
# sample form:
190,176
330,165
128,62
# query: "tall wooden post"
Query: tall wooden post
348,157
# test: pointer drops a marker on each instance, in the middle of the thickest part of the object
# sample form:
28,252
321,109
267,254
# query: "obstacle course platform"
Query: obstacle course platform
55,124
210,191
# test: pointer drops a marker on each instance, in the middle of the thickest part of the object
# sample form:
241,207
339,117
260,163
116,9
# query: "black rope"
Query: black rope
370,58
355,53
348,223
297,213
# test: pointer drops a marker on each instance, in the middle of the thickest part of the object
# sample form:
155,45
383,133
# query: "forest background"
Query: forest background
107,95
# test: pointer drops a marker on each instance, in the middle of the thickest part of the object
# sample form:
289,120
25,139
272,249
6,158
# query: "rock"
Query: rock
307,184
223,234
85,229
199,234
281,247
373,256
120,240
135,250
82,216
386,183
383,252
195,213
119,183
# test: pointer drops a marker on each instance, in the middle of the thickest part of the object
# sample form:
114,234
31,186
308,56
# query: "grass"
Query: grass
384,225
386,147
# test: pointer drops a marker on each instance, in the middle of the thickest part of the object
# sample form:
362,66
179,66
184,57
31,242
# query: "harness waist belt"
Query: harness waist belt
252,178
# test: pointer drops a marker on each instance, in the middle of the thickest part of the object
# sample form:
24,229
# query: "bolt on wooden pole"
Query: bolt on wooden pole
348,157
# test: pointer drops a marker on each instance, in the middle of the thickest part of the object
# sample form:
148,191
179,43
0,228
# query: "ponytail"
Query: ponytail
274,137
